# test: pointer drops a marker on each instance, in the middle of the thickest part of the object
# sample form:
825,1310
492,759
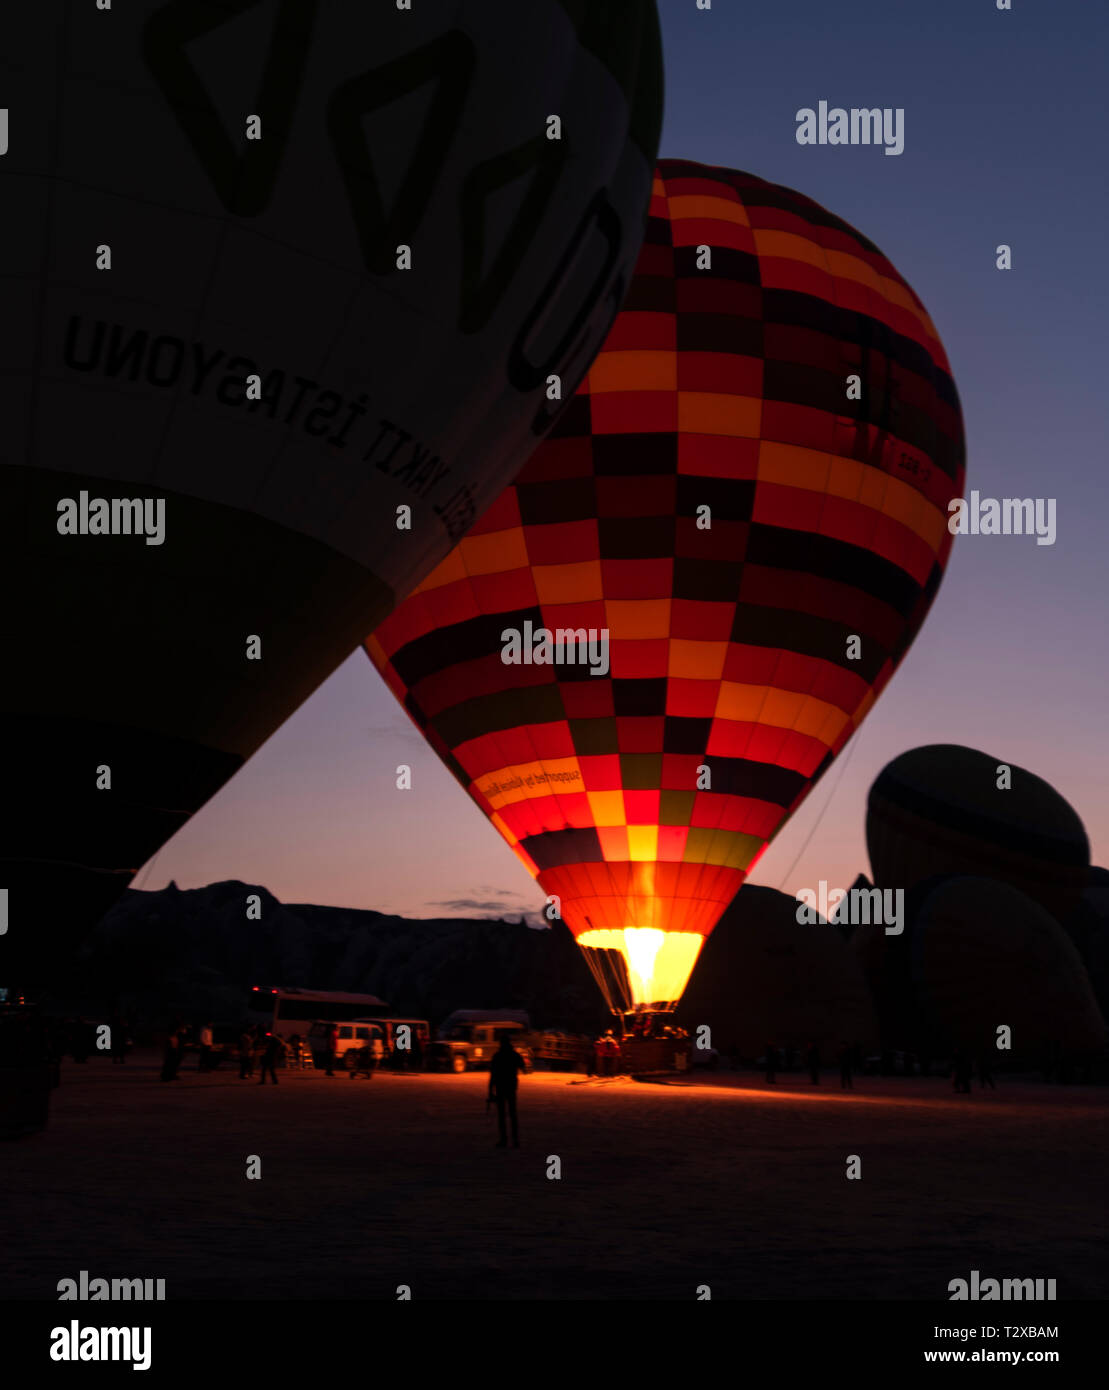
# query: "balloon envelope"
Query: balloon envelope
938,810
984,956
763,976
750,550
272,273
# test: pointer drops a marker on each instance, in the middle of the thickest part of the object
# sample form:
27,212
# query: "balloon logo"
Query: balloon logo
292,279
750,545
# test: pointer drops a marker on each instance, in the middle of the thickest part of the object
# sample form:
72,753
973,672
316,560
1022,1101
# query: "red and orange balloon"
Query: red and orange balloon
760,541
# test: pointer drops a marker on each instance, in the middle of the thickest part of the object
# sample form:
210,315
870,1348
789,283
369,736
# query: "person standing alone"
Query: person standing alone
246,1053
275,1048
504,1071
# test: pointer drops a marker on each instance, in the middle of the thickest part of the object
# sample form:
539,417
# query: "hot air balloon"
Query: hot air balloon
762,974
284,288
1088,927
985,956
753,548
938,810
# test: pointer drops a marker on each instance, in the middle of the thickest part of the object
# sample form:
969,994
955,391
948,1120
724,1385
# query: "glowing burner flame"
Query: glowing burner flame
654,966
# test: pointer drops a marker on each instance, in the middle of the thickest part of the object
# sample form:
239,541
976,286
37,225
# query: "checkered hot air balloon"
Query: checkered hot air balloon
759,546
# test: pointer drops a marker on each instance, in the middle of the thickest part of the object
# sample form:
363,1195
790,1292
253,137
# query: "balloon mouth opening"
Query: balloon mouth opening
641,969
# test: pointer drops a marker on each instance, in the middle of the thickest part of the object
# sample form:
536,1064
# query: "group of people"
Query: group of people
605,1057
646,1025
962,1070
178,1041
850,1062
367,1059
268,1048
607,1053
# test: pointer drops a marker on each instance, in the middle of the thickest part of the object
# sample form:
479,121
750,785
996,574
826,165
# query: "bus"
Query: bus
292,1010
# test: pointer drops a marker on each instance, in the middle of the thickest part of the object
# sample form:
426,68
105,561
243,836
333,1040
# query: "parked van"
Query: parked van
353,1036
358,1032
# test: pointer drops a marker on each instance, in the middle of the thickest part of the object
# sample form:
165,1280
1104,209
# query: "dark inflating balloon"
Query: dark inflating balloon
985,956
938,810
764,976
402,259
756,547
1088,928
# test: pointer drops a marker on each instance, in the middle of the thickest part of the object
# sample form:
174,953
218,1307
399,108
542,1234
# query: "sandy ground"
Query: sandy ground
367,1185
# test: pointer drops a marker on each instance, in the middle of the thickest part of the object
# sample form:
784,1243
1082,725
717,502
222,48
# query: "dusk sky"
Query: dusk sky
1004,143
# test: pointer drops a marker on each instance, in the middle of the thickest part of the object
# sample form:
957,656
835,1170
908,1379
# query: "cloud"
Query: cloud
405,733
496,906
477,905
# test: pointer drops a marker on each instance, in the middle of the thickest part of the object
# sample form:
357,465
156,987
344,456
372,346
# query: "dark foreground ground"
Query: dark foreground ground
722,1181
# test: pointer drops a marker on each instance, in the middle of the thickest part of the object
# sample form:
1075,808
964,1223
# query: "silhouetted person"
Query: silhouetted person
846,1059
607,1050
332,1048
246,1053
204,1061
771,1062
171,1058
274,1048
504,1072
812,1057
985,1073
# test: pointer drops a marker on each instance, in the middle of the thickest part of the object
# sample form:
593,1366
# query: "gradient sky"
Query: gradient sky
1005,125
